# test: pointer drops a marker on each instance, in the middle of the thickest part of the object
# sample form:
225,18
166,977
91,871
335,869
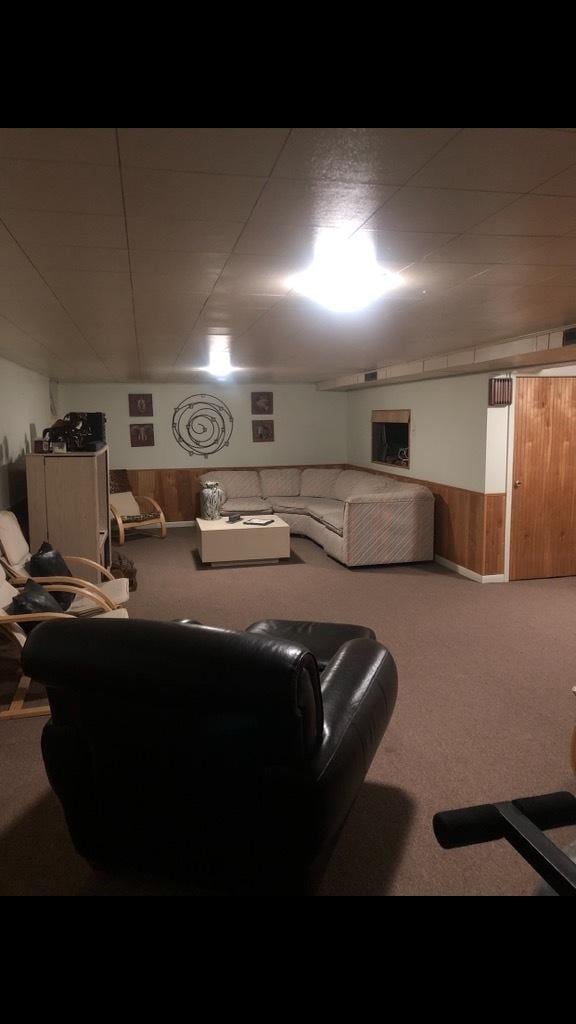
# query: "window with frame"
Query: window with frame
391,437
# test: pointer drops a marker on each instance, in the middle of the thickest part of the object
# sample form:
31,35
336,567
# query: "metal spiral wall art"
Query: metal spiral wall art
202,425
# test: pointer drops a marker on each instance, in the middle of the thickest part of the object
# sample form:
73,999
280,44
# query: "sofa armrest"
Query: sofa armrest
359,690
395,493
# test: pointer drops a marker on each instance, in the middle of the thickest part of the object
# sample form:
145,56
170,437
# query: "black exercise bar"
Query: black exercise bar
522,823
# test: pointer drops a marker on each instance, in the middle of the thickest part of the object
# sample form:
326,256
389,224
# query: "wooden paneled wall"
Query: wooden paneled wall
469,526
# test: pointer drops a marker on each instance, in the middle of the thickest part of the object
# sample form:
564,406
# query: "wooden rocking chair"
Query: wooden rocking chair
132,511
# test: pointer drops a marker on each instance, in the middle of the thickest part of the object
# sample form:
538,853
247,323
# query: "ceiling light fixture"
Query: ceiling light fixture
220,364
345,275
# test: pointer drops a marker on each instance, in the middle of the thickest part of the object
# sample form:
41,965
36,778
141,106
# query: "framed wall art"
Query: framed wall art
142,435
262,430
140,405
262,403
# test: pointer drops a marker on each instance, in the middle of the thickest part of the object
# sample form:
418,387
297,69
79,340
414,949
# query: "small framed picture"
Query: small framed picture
262,403
140,405
142,435
59,446
262,430
42,445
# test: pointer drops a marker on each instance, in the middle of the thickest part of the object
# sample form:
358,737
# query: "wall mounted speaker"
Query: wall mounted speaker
500,391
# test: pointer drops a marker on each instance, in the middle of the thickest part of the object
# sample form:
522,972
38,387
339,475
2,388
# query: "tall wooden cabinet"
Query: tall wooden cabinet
69,505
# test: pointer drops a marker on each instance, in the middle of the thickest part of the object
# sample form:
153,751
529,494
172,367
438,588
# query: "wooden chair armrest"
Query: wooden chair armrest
88,561
98,598
151,501
34,617
80,585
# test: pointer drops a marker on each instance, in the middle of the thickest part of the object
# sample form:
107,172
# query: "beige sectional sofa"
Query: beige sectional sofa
358,518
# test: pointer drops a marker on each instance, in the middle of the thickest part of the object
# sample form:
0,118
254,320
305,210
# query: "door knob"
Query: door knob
517,483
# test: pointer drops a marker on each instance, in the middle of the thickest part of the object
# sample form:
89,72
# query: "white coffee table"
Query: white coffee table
224,543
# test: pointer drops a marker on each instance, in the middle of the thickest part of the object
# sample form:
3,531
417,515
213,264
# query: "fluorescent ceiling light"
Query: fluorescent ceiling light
345,275
220,364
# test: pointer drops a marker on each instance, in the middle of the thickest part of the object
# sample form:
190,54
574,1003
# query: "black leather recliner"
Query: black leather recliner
224,757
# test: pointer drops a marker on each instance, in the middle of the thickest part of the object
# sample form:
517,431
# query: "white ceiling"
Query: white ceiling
123,249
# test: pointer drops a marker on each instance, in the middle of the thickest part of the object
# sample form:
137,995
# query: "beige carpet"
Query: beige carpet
485,712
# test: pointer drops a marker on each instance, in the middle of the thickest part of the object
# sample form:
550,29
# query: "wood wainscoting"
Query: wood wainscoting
469,526
177,491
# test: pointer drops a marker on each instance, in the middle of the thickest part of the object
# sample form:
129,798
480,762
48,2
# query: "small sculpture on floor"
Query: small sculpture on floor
122,566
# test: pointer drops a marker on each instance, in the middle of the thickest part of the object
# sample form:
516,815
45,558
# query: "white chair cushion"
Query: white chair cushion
7,592
116,590
285,480
12,540
125,504
319,483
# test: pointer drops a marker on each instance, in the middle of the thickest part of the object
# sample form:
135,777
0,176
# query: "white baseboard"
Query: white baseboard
468,573
186,522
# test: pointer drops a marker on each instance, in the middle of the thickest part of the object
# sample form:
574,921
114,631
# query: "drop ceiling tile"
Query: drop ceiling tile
564,275
387,155
83,145
485,248
203,197
21,348
249,151
240,303
94,299
33,228
562,185
224,321
439,276
499,159
558,252
191,272
29,304
177,235
78,258
533,215
255,275
61,187
443,210
124,369
404,246
175,314
114,343
294,242
334,204
512,274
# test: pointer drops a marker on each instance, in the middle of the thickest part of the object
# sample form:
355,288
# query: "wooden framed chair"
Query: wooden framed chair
132,511
11,628
15,554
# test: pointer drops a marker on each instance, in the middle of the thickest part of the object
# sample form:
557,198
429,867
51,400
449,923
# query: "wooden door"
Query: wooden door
543,535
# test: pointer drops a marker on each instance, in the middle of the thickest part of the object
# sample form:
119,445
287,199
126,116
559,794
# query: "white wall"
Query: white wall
310,426
24,413
448,428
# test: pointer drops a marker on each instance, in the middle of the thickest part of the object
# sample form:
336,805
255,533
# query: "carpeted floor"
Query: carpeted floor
485,712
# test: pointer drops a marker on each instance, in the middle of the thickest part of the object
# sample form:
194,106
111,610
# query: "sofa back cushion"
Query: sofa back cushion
319,482
285,481
12,540
236,483
352,482
7,592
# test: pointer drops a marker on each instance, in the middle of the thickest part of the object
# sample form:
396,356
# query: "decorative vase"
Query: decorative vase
211,499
